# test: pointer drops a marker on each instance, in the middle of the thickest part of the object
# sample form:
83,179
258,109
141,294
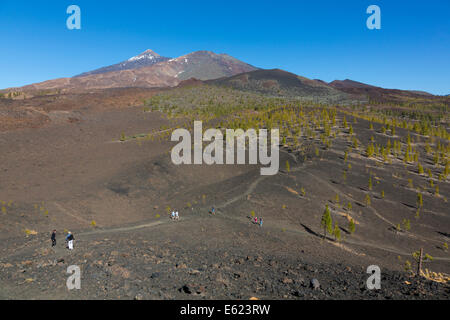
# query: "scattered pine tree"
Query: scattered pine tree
326,222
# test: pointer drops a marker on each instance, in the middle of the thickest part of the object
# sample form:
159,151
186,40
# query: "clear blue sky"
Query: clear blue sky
317,39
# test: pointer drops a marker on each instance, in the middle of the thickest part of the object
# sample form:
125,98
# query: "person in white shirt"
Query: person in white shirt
69,239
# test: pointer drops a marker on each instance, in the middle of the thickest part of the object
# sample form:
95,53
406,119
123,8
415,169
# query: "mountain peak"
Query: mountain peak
144,59
147,54
202,65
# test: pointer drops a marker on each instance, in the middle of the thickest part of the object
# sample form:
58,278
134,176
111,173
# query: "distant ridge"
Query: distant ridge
276,82
379,94
151,70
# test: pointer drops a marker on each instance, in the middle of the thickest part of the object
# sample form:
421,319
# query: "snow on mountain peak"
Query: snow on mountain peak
147,54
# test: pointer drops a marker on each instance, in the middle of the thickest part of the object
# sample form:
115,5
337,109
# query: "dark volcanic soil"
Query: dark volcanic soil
199,257
66,175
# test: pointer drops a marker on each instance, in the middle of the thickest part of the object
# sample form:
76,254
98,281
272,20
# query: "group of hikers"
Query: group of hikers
174,215
69,239
255,221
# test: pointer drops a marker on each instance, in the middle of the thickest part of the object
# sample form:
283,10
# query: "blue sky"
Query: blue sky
317,39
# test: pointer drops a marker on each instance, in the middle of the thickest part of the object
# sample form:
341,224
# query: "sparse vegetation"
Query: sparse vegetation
368,200
303,192
326,222
419,200
337,232
351,226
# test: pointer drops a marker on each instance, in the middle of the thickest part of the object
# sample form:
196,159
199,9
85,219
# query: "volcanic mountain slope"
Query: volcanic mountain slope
382,95
277,82
349,85
205,65
115,197
202,65
145,59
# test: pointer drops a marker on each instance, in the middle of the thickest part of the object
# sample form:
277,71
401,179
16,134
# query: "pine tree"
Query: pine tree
419,200
367,200
351,226
420,168
355,143
406,157
326,222
421,258
337,232
370,150
344,121
407,224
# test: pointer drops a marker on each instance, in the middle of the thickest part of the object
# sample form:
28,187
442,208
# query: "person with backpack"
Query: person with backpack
260,221
69,239
53,238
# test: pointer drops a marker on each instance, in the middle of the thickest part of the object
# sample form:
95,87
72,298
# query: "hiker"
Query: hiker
255,220
260,222
176,216
173,215
53,238
69,240
213,210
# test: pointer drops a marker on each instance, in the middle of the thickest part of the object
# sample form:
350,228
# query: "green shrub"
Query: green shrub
351,226
326,222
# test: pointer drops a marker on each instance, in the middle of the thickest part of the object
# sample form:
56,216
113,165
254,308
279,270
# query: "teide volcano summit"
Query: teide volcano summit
149,69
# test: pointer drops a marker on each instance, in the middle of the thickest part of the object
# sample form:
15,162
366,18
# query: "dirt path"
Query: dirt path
248,191
255,183
125,229
146,135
